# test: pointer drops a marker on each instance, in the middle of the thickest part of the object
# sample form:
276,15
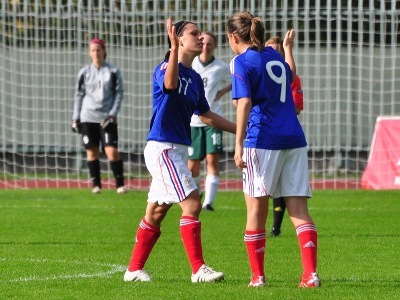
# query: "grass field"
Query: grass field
70,244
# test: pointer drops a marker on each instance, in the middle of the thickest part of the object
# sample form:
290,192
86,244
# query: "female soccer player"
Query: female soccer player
178,92
279,205
270,145
98,97
207,140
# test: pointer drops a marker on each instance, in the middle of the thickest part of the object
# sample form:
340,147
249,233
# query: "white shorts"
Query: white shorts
171,181
276,173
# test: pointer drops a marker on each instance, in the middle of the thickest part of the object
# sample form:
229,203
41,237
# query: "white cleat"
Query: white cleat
311,282
207,274
139,275
257,282
122,190
96,190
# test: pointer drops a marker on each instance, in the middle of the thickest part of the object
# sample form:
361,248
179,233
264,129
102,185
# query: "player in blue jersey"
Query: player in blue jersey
270,145
178,92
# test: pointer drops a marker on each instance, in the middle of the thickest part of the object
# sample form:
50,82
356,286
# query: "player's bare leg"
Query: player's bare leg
194,167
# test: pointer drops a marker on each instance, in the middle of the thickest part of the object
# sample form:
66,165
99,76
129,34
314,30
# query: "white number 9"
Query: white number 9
280,80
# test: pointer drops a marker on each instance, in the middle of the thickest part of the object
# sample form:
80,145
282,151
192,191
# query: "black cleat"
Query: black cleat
208,207
275,232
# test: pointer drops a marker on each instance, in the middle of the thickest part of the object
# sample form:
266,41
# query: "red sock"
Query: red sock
255,245
146,238
307,236
191,237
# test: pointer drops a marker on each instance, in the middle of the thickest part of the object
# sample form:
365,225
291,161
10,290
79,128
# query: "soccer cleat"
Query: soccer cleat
275,232
208,207
258,282
311,282
207,274
96,190
122,190
139,275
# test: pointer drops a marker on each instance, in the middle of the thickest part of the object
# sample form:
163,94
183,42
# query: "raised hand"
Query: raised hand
172,34
288,41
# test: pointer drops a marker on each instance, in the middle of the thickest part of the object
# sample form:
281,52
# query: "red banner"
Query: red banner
383,167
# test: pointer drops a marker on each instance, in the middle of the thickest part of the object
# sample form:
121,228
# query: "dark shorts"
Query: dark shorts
205,140
94,135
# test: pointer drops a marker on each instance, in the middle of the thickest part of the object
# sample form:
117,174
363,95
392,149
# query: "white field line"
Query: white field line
113,269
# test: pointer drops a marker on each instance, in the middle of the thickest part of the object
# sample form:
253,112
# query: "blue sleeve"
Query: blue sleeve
158,77
241,87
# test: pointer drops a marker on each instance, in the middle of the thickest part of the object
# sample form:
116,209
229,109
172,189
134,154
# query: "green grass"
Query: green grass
70,244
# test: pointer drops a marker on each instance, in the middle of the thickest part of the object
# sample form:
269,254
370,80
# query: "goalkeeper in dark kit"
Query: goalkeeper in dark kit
98,97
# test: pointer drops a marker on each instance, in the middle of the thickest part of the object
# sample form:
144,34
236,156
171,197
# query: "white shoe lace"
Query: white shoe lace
139,275
205,274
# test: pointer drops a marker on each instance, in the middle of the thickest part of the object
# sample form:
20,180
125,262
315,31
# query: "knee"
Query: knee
92,153
155,218
112,153
192,210
197,209
114,156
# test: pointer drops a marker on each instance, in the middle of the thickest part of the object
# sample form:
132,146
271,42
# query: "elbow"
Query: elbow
202,119
205,119
170,85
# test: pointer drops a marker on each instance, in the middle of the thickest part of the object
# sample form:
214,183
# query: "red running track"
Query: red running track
143,184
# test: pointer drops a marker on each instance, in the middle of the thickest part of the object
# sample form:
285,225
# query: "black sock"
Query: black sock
94,170
118,171
279,211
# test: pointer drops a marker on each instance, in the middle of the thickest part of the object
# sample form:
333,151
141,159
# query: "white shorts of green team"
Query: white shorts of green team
277,173
171,181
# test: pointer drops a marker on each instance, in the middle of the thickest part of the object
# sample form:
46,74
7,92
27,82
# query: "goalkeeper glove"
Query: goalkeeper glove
107,121
76,126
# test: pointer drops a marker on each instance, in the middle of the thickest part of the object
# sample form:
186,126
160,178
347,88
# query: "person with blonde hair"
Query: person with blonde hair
270,145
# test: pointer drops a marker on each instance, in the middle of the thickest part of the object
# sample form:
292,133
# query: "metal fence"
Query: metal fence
346,52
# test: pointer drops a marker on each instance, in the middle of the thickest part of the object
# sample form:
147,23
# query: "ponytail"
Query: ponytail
257,34
166,57
248,28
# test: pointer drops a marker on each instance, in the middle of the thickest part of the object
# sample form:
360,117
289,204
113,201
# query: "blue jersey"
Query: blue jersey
173,109
265,77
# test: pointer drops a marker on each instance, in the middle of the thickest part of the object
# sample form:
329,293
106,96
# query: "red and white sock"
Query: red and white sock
307,236
146,237
190,229
255,244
